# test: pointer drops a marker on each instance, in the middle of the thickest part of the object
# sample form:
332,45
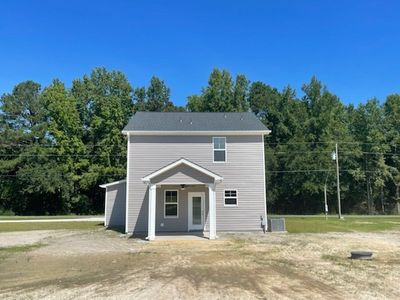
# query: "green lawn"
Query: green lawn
48,217
318,224
294,224
85,225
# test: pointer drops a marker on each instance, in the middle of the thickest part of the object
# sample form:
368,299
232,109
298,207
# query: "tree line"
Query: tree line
58,144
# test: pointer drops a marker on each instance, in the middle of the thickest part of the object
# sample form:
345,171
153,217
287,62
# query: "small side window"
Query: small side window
219,149
230,198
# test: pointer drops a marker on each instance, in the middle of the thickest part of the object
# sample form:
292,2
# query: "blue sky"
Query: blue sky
352,46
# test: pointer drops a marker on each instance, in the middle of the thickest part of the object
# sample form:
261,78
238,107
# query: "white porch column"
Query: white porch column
152,213
212,211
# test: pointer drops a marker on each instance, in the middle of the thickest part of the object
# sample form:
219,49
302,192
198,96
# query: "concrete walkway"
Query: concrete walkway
94,219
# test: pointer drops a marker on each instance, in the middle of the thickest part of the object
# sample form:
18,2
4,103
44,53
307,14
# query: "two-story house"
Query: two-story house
190,172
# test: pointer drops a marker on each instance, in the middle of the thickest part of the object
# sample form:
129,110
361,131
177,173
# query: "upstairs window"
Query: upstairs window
230,197
219,149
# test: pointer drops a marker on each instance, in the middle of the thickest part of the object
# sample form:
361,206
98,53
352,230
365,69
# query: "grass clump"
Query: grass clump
7,251
84,225
314,224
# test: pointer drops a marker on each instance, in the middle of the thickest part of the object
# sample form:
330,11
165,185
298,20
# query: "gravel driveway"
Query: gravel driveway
103,264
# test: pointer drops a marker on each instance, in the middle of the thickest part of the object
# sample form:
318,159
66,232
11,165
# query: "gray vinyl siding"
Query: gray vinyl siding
182,174
115,205
243,171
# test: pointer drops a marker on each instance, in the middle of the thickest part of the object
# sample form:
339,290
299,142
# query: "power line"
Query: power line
330,142
61,155
15,175
274,151
320,170
121,155
267,171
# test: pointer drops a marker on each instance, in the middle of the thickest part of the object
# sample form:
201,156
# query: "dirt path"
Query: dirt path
101,264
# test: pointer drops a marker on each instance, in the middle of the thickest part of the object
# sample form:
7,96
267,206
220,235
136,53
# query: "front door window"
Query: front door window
196,211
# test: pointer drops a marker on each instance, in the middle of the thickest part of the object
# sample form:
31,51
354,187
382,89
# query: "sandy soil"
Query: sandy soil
103,264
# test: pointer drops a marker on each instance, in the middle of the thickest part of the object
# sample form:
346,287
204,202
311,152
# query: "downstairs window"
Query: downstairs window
230,197
171,204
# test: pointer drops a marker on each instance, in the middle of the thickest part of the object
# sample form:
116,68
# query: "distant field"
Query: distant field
86,225
294,223
47,217
318,224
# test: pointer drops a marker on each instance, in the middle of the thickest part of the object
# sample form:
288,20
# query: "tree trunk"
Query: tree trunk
369,200
398,199
382,200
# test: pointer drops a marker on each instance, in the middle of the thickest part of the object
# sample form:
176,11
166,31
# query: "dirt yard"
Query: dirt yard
103,264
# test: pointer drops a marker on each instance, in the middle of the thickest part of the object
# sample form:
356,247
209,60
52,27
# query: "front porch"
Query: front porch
182,198
182,236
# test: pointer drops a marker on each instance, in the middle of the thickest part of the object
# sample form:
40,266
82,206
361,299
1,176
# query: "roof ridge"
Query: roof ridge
196,112
194,122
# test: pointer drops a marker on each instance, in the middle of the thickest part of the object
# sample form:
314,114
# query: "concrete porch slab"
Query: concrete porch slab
181,236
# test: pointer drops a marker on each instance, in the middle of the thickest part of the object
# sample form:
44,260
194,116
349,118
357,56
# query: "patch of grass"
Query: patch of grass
84,225
23,248
6,251
330,257
11,217
317,224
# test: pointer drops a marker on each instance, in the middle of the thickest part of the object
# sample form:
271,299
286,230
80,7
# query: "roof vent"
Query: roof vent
191,122
225,116
180,120
241,118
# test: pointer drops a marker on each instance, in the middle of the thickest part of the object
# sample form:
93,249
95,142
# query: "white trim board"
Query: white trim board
194,132
106,185
127,183
265,187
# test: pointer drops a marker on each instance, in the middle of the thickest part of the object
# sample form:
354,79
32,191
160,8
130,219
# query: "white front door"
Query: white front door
196,211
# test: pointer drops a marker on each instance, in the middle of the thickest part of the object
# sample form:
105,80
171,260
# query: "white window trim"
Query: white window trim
237,198
226,152
177,203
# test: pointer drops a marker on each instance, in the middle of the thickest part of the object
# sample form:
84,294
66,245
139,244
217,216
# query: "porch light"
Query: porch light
182,187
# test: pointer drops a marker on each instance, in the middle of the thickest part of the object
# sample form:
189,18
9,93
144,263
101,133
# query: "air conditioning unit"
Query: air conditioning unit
276,225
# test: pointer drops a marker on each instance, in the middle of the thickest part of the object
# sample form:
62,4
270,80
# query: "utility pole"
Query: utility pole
326,198
338,182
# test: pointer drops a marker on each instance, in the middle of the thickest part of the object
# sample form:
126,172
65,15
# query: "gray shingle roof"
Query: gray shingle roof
194,121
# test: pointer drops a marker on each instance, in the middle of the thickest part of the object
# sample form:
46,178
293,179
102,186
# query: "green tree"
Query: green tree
155,98
392,129
240,98
368,129
66,131
139,99
158,96
217,96
23,137
222,94
104,101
